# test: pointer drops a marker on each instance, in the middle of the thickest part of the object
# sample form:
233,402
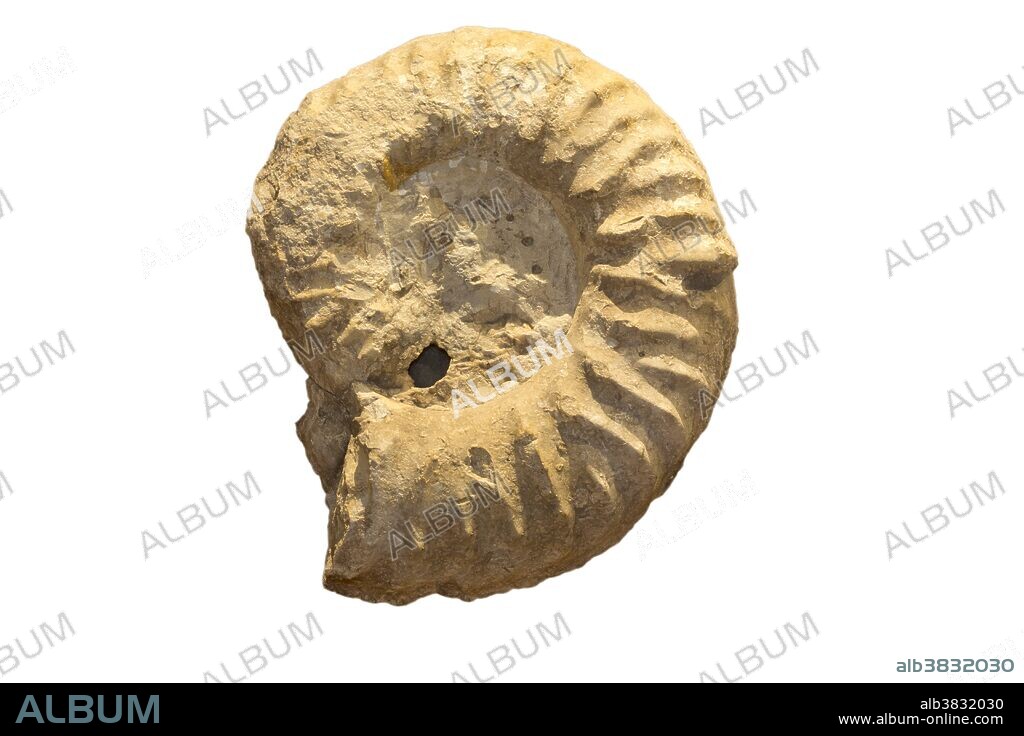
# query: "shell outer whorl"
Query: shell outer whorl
497,197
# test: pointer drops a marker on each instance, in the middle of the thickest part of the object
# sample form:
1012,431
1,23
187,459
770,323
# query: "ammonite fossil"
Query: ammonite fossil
522,284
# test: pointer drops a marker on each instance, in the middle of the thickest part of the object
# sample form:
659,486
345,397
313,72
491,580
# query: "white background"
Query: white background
105,164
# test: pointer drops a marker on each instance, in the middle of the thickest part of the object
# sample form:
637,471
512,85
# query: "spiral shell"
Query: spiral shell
500,197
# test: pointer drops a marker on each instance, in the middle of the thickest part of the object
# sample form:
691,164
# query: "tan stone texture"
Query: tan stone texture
489,192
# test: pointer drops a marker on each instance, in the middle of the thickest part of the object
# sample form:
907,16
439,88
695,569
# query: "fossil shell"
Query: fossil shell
500,197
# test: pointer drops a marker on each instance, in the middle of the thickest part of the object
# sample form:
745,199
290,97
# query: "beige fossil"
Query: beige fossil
535,216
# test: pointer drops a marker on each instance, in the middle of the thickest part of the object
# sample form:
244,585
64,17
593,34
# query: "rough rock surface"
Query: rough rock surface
499,200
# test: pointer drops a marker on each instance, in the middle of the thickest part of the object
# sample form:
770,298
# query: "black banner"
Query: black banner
778,707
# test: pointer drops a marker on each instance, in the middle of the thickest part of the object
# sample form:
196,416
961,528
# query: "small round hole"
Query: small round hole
430,367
